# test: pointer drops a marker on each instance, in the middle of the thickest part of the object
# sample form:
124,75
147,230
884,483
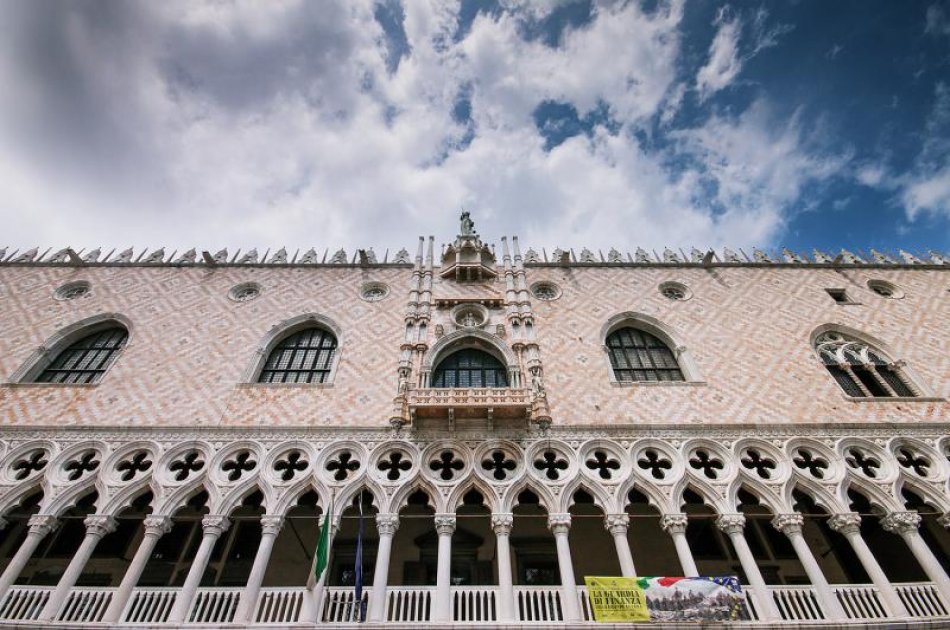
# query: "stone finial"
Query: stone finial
279,257
730,256
822,257
466,225
909,258
402,257
881,259
936,257
27,256
221,256
156,257
531,256
614,256
249,258
367,256
60,256
92,256
587,256
339,258
558,253
310,257
187,257
641,256
3,253
696,256
851,258
759,256
124,256
670,256
790,256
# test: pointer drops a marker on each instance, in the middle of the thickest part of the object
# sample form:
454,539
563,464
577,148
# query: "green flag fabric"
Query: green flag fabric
322,555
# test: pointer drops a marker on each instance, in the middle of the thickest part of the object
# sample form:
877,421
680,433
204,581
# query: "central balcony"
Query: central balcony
488,403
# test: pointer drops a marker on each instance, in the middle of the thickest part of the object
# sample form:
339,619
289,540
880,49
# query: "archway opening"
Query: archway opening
292,557
653,550
473,543
113,554
415,549
773,551
18,517
52,557
592,548
172,555
470,367
891,553
711,549
233,553
839,564
931,530
359,514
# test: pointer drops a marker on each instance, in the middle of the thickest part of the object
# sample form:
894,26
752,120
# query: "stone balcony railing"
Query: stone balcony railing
488,403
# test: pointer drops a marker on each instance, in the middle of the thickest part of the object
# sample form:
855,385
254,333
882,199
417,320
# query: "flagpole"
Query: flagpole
317,590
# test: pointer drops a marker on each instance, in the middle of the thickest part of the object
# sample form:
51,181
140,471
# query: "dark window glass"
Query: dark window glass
470,368
889,376
639,356
874,386
86,360
303,357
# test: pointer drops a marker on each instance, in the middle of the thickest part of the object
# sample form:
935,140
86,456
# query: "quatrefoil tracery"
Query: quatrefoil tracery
128,469
447,464
708,463
184,466
35,462
343,465
815,464
603,463
859,460
239,465
499,464
551,463
85,463
762,465
290,464
394,465
911,460
654,461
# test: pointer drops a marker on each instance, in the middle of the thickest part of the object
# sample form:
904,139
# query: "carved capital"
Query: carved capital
559,523
157,525
731,523
387,524
445,524
674,523
271,524
901,522
215,524
845,522
502,522
42,524
99,525
789,524
617,524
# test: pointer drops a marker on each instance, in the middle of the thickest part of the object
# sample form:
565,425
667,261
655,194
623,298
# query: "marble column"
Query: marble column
155,527
906,525
848,524
675,525
97,526
791,525
212,528
247,604
617,525
560,526
733,525
40,525
386,525
501,524
442,609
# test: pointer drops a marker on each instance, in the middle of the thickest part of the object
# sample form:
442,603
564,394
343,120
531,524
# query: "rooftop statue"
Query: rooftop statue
468,226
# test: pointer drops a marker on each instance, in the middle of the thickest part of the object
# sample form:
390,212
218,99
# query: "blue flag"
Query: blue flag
358,581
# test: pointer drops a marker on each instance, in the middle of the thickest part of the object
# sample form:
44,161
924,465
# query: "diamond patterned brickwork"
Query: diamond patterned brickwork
747,328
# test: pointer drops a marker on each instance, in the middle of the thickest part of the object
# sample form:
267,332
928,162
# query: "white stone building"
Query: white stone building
173,426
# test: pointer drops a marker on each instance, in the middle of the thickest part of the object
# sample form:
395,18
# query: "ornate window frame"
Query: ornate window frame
478,340
281,331
646,323
43,356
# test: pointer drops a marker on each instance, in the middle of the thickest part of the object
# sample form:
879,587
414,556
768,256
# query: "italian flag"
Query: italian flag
322,555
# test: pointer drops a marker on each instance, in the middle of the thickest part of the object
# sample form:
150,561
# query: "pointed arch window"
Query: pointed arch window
637,356
86,360
470,368
306,356
861,370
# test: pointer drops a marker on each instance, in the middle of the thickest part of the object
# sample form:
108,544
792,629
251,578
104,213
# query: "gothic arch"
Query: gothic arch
126,495
478,339
704,490
601,499
884,501
654,497
473,482
655,327
818,493
284,329
924,491
42,356
545,499
180,496
14,497
232,500
418,482
289,495
760,491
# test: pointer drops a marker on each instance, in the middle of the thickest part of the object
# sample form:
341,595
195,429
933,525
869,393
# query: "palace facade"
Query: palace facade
499,423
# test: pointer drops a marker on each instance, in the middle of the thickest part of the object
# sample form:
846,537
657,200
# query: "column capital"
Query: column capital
387,524
445,524
271,524
789,524
42,524
944,521
901,522
845,522
99,524
502,522
215,524
674,523
559,523
157,525
617,524
731,523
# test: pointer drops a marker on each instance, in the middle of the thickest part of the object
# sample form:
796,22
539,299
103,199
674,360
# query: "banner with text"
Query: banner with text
666,598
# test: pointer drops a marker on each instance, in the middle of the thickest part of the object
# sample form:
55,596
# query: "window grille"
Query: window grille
303,357
470,368
636,355
86,360
860,370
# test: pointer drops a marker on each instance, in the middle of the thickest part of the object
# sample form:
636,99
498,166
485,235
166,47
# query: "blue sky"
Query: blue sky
573,123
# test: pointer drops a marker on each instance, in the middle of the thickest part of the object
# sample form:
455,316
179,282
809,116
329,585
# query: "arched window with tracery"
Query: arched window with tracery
860,369
638,356
305,356
470,368
86,360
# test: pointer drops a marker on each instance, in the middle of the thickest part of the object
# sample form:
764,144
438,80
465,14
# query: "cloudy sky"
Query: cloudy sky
570,123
